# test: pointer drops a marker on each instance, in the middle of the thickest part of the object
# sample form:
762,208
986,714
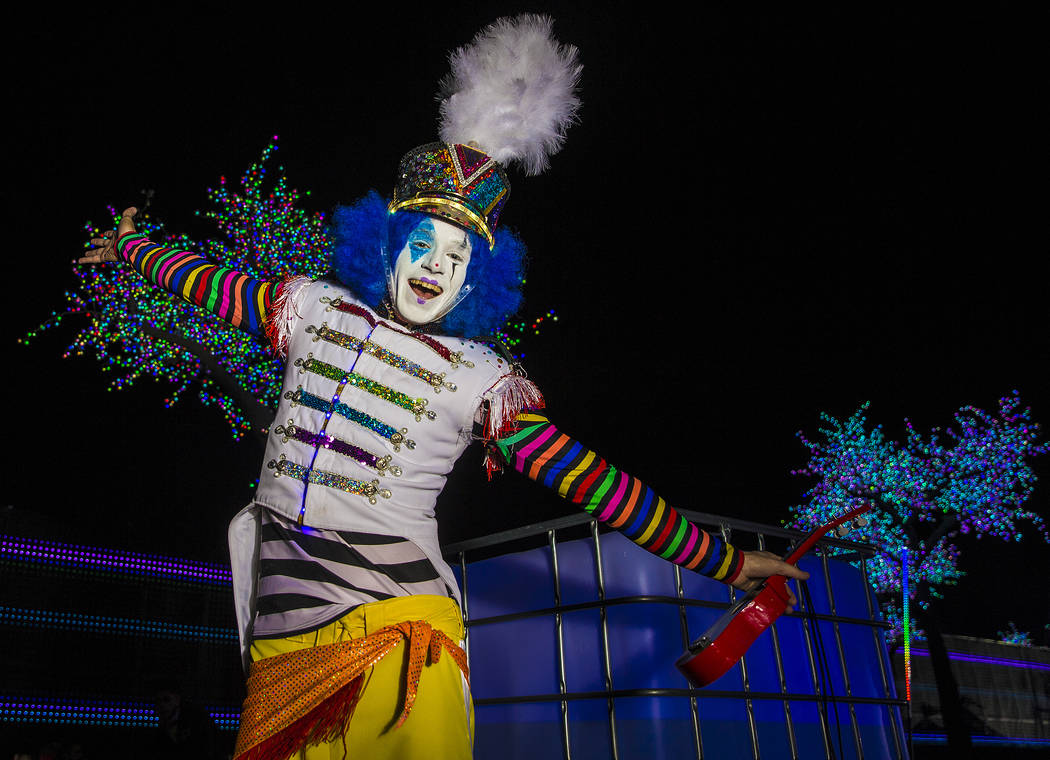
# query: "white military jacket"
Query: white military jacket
371,419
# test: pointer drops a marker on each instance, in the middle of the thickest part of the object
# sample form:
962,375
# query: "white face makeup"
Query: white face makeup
430,271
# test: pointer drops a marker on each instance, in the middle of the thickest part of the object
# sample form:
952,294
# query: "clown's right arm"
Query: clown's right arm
245,302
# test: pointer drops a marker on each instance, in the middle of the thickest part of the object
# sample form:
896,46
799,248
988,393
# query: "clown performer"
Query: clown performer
349,617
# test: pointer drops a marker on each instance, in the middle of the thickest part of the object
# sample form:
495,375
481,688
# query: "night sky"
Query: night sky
758,218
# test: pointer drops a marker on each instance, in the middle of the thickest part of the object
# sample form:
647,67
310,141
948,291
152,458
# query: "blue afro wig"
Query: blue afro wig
359,232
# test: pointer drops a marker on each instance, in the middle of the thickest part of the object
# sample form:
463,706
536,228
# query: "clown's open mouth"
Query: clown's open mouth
425,289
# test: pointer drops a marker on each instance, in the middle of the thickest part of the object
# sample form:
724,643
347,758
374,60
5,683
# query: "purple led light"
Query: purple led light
1007,740
987,660
227,716
52,552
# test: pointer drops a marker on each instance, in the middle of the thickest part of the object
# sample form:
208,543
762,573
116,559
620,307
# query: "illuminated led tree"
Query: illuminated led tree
516,333
973,478
135,329
1013,636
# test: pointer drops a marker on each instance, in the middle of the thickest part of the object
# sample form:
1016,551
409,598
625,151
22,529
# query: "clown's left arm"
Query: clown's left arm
532,445
541,452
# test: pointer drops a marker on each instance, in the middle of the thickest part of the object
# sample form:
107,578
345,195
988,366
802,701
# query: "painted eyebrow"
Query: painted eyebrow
421,231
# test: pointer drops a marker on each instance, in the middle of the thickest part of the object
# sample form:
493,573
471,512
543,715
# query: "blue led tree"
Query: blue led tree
971,478
1013,636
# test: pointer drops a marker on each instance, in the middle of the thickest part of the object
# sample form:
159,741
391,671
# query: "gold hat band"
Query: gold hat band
424,200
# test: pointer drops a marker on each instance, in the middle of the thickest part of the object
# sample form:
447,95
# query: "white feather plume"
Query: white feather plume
512,91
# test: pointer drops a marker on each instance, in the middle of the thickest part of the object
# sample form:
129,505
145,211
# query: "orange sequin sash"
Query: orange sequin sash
308,696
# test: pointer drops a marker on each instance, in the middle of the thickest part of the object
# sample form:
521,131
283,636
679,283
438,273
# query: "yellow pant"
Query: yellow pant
441,725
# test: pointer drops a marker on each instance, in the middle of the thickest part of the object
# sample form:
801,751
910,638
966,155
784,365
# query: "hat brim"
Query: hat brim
448,209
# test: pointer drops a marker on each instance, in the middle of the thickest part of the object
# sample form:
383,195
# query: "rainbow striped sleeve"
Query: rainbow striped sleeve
543,453
241,300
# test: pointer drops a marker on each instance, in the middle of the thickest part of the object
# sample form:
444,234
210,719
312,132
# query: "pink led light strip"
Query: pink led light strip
117,560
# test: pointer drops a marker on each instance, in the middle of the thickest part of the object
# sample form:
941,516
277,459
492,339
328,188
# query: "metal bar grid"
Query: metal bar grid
606,663
651,599
749,706
842,655
772,696
552,543
693,707
809,626
809,617
701,518
888,686
781,677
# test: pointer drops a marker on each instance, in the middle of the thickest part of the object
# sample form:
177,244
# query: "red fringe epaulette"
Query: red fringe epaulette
510,396
283,313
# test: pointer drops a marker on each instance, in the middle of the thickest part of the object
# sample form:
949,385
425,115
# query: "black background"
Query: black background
759,217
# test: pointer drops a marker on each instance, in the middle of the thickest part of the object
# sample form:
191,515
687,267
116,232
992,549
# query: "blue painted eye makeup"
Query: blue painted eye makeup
421,240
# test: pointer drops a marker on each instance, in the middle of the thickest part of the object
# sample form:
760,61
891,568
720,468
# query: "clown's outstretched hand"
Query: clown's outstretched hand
106,246
759,565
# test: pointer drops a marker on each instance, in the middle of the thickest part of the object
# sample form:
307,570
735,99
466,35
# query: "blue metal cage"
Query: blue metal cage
572,646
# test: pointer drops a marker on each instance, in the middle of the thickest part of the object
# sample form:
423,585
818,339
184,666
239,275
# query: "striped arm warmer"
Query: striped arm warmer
241,300
540,451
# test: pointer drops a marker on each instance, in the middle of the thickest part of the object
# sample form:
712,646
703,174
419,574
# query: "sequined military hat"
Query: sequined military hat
508,99
458,183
